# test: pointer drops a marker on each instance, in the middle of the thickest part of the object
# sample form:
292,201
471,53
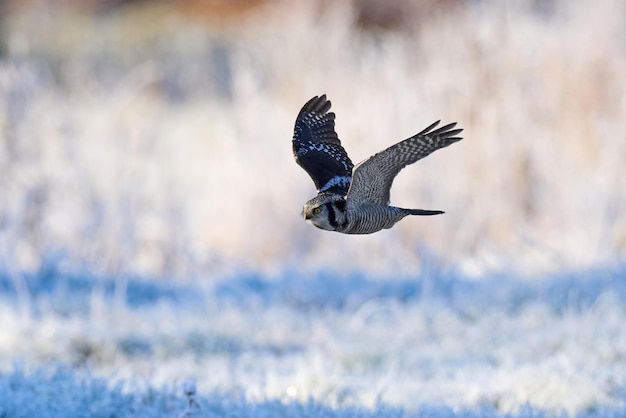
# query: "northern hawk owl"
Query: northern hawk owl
355,199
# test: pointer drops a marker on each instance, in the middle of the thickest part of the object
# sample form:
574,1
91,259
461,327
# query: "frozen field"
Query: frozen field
150,228
316,345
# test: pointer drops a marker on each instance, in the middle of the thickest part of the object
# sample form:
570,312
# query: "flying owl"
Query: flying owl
355,199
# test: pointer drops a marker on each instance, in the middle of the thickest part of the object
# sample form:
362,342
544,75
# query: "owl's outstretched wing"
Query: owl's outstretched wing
373,177
318,150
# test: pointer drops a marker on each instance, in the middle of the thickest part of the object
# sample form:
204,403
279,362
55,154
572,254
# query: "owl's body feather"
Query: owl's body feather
355,199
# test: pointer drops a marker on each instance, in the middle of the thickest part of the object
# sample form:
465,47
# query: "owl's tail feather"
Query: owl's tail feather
423,212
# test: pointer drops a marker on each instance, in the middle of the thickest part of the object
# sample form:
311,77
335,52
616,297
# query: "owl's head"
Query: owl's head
325,211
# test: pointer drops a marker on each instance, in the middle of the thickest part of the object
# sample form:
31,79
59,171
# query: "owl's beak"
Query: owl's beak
306,216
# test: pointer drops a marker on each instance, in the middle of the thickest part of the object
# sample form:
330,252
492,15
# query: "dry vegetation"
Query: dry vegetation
153,139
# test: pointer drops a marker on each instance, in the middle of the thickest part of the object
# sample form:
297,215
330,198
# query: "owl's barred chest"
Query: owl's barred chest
367,219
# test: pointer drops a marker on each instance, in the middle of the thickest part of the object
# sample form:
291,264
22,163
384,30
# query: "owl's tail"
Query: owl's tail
423,212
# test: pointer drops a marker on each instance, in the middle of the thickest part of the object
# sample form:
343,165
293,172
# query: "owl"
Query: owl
355,199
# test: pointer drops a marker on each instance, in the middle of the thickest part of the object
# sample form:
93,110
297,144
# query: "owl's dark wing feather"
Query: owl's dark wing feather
318,150
373,177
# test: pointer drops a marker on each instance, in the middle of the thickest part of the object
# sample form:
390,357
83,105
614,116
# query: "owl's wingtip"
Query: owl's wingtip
317,104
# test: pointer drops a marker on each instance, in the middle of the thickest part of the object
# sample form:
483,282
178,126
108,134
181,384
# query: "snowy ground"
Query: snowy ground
315,345
155,139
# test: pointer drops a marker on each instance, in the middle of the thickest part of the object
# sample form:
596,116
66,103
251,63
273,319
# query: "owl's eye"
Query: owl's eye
317,211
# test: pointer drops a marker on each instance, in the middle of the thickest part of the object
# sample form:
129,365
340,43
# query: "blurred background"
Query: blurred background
153,137
150,206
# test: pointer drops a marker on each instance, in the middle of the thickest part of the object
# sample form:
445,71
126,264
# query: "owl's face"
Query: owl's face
317,211
318,216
